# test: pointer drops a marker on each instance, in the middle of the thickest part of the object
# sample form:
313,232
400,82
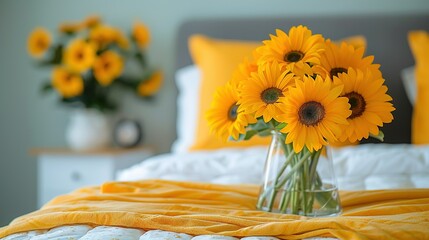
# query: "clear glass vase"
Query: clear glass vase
301,183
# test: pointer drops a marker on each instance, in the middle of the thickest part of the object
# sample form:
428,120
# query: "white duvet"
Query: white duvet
369,166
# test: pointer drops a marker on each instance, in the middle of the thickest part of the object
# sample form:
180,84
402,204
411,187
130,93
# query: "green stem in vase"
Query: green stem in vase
293,169
283,206
310,181
296,194
287,162
325,197
279,174
271,201
295,186
299,160
303,193
313,165
304,184
284,200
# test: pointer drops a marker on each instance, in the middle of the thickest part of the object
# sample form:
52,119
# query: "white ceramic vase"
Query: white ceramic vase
88,129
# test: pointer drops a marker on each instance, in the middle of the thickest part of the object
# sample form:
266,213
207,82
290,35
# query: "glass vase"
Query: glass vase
301,183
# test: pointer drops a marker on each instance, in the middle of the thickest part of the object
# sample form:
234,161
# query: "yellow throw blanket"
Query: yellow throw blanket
200,208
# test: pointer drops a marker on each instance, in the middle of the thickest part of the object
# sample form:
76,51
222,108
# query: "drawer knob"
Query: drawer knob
75,176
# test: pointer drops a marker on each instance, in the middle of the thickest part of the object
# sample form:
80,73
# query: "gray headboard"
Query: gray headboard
386,39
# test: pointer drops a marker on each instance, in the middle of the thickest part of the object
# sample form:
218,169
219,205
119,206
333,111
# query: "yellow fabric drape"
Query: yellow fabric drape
202,208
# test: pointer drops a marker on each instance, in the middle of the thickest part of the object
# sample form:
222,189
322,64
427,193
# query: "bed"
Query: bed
151,199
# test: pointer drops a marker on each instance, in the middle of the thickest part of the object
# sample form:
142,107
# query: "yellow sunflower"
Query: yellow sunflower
297,51
79,55
70,27
314,113
369,104
261,93
338,58
67,84
150,86
141,34
108,66
38,42
102,35
91,21
243,72
356,41
120,39
225,117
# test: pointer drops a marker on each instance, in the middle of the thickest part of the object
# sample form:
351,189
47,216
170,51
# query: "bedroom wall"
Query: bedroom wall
29,120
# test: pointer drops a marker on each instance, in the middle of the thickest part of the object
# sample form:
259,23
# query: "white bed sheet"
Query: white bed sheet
362,167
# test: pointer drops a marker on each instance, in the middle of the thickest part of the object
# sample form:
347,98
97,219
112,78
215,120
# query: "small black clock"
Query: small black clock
127,133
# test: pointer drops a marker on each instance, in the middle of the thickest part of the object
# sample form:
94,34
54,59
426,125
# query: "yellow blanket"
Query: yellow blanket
199,208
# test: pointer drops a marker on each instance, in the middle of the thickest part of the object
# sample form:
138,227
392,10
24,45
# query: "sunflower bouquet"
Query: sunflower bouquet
306,92
89,59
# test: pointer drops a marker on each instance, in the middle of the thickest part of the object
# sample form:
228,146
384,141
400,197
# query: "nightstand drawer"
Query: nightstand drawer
59,176
61,171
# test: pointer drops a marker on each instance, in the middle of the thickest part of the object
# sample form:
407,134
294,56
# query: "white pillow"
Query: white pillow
408,76
188,84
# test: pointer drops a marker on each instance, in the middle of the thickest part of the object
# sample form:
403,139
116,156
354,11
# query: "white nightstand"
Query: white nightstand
61,170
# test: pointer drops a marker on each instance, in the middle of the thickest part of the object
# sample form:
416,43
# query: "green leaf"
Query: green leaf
70,100
69,33
265,133
127,82
260,125
281,126
55,58
58,54
141,59
148,98
44,63
250,134
380,136
46,87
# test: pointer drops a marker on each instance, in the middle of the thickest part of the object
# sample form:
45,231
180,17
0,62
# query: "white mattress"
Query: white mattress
83,232
370,166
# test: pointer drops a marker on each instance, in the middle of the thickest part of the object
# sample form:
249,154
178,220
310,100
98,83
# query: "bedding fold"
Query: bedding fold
203,208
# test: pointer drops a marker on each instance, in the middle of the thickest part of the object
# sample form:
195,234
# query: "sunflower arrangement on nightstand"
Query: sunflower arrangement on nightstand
90,58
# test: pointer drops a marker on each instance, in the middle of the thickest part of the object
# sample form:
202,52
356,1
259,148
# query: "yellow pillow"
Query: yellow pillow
217,60
419,44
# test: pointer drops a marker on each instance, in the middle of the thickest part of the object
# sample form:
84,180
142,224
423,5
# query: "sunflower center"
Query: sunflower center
335,71
357,104
271,95
232,112
68,78
311,113
79,55
106,65
41,43
293,56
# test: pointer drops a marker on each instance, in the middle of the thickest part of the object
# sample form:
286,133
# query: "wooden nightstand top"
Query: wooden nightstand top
113,151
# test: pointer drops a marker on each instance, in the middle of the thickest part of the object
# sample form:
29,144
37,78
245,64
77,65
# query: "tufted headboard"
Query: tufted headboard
386,39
